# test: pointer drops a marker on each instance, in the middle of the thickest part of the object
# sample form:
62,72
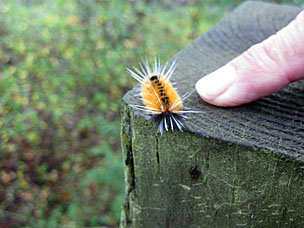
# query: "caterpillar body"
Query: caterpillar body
161,100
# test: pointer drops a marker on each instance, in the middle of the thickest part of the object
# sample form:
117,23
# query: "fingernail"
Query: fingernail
216,83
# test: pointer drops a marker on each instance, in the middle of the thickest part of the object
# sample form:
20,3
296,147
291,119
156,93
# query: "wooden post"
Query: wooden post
250,158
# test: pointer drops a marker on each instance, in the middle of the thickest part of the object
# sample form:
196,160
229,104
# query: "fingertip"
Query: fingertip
215,85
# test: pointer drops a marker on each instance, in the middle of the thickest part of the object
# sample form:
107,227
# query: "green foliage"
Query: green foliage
62,78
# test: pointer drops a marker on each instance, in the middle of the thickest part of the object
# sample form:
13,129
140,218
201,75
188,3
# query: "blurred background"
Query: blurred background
62,79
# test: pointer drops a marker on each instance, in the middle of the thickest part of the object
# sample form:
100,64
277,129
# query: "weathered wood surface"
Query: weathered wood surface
250,158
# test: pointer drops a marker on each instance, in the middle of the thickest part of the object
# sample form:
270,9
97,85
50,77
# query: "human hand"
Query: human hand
260,71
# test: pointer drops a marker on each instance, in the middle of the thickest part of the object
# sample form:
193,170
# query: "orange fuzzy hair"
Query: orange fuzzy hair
161,100
159,94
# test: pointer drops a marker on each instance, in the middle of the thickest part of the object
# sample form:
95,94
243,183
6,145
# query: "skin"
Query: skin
260,71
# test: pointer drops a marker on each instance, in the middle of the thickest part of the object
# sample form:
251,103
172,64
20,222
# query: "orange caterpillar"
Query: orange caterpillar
161,100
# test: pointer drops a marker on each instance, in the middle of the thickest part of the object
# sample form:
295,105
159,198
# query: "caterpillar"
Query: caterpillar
161,100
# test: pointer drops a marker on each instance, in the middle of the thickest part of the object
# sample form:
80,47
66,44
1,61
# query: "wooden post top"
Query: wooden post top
274,123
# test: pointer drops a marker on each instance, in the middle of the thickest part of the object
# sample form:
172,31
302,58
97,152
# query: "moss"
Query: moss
238,187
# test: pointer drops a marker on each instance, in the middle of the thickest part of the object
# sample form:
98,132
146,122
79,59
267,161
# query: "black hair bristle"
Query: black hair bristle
168,121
